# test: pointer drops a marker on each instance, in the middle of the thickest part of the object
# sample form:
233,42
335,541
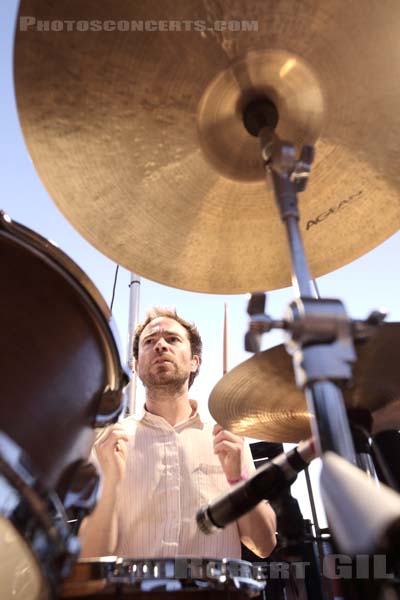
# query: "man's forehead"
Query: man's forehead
163,324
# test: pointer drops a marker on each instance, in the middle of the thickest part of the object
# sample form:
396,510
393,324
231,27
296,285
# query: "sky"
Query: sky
368,283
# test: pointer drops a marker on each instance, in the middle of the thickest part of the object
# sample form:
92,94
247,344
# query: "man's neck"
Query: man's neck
172,405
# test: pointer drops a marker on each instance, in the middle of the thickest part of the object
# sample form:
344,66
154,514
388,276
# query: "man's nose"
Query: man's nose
161,345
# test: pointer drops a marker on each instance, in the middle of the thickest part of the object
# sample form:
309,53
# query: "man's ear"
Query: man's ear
135,366
195,363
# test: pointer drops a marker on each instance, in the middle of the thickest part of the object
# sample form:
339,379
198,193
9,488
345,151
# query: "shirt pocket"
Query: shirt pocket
211,481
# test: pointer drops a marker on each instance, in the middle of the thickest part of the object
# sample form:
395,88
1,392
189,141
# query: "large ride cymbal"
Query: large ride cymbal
259,397
138,135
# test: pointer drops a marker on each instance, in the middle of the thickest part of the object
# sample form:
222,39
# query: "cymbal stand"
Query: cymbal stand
361,430
321,340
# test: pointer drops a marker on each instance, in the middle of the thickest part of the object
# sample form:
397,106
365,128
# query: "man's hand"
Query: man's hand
229,449
257,527
112,452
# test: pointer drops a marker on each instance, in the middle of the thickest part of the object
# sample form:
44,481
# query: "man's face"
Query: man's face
165,357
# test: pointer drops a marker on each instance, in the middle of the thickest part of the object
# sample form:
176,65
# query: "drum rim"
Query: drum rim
48,247
49,252
115,570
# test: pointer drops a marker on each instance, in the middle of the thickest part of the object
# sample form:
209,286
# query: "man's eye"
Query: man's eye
147,342
173,338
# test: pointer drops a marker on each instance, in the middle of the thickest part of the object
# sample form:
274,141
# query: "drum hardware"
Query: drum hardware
89,576
365,518
37,545
82,494
365,521
295,569
58,326
311,550
130,576
261,323
321,340
361,430
321,334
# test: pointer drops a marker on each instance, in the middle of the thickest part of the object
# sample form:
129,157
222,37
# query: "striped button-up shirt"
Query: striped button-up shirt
171,472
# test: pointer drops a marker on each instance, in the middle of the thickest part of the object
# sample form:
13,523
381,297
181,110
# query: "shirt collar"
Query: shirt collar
194,419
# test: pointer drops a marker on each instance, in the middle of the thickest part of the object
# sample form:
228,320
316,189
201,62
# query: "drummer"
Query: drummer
160,469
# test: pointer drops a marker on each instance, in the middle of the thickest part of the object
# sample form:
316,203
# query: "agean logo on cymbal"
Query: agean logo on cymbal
332,210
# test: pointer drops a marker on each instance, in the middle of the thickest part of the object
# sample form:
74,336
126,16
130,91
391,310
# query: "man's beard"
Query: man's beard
166,380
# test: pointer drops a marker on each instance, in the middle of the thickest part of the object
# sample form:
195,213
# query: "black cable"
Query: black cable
114,286
384,461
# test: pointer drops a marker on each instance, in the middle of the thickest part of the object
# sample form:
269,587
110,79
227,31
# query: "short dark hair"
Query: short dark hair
196,345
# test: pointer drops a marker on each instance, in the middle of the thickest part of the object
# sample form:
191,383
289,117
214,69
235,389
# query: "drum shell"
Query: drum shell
56,360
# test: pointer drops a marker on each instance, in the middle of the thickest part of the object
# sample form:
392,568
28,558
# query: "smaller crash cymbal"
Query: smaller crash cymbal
259,397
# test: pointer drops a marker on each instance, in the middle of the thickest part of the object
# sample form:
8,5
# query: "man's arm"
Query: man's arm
99,532
257,528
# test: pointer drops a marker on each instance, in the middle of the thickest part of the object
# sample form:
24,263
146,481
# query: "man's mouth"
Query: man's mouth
160,361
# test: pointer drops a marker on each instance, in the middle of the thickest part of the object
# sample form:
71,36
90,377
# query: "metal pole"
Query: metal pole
134,297
225,342
317,365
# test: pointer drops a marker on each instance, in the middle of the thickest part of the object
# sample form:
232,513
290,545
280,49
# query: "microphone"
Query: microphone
266,483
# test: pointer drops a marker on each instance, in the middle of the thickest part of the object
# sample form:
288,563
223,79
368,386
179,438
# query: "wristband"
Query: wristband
244,476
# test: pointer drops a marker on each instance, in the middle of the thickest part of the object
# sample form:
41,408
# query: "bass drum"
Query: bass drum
60,374
152,579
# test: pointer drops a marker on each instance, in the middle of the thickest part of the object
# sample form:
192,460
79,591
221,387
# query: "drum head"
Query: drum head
20,575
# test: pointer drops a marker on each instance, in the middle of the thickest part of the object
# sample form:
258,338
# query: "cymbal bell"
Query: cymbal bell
137,132
259,397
